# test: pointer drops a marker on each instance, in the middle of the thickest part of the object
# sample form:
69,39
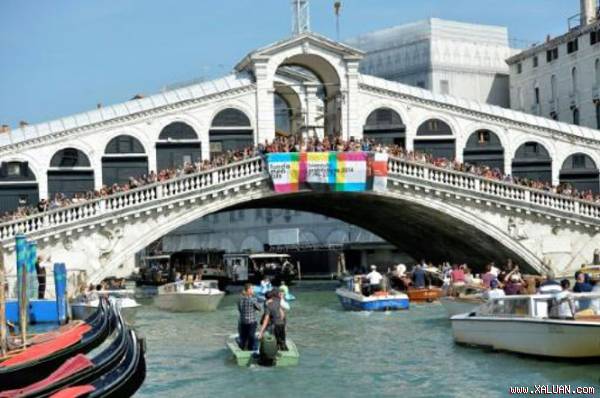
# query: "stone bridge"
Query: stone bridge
426,211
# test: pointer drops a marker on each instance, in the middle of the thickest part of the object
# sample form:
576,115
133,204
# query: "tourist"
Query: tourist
41,267
549,285
488,277
512,284
562,306
457,275
274,320
374,278
418,276
581,286
494,291
247,307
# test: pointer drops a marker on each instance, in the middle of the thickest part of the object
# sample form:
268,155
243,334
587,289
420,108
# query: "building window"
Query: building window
579,161
553,86
535,61
594,37
14,169
576,116
519,68
597,72
445,87
484,136
574,80
536,92
551,55
572,46
598,115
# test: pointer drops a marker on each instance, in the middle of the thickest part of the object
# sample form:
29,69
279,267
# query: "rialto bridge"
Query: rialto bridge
307,85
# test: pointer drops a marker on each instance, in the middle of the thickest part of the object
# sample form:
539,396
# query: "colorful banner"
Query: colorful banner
328,171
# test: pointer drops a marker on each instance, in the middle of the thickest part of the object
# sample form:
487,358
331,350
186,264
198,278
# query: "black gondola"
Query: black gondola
27,372
122,381
80,369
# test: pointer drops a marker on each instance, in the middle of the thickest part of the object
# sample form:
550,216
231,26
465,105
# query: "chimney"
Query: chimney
23,123
589,10
5,128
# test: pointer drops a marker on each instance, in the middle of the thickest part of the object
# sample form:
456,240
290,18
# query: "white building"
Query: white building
447,57
560,79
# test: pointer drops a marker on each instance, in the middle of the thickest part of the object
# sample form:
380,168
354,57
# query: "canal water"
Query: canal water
343,354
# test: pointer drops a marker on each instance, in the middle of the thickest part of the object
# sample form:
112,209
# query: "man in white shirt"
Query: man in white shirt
374,279
494,292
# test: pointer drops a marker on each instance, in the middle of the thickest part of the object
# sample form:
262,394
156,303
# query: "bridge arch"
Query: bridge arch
533,161
70,173
124,156
385,126
580,171
230,129
178,142
436,137
484,148
399,217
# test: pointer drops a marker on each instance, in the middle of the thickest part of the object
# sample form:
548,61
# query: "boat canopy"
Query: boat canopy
268,255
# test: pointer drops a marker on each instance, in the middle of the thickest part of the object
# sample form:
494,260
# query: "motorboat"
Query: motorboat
461,304
123,299
189,296
278,358
352,298
424,294
530,324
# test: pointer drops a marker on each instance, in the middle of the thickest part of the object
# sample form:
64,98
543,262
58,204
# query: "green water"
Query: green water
343,354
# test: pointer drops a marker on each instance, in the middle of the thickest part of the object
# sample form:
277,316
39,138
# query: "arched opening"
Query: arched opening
580,171
289,118
436,138
319,84
177,144
576,116
384,125
70,173
574,80
484,149
230,131
532,161
18,186
124,157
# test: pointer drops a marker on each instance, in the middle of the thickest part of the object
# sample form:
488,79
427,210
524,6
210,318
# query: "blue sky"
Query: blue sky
62,57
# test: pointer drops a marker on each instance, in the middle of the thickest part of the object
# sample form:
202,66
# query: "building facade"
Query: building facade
560,79
447,57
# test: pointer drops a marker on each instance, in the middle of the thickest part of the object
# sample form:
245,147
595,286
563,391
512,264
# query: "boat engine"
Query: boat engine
268,350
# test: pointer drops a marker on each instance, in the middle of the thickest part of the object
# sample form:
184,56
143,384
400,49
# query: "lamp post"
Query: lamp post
337,6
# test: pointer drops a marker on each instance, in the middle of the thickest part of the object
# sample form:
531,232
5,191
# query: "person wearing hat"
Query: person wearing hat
374,279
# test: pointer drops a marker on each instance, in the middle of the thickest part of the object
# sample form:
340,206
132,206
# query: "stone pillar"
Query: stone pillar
556,172
314,125
350,111
265,108
507,163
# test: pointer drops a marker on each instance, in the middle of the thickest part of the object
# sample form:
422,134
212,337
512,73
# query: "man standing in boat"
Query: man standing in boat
274,319
374,279
248,306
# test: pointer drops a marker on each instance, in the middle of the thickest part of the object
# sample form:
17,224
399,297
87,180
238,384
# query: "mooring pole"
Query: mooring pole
3,345
23,307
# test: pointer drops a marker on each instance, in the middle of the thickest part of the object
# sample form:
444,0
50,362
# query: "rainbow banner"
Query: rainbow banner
328,171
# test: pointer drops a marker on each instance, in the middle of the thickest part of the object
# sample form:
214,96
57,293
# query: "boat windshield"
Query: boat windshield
563,305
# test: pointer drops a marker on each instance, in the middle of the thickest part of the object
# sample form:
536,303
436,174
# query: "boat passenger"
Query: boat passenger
282,301
488,277
274,320
418,276
247,307
549,285
374,279
595,303
494,291
562,306
581,285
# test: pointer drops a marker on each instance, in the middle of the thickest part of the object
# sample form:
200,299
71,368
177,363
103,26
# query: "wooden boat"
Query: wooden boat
80,368
188,297
424,294
122,381
86,304
37,361
522,324
290,357
461,304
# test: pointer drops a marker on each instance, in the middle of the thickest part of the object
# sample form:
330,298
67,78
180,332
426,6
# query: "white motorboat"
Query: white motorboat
189,297
86,304
530,325
461,304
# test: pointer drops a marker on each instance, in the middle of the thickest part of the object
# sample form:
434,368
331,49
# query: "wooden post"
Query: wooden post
3,347
299,270
24,307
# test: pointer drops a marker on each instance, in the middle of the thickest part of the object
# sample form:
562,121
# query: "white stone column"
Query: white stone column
265,109
350,122
311,103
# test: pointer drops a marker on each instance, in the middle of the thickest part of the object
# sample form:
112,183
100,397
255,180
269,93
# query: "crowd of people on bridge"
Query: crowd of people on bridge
292,144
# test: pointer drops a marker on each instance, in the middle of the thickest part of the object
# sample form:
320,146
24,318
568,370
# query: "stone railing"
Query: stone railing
145,195
499,190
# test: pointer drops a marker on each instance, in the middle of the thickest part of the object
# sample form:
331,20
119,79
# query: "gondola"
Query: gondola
39,360
123,381
80,369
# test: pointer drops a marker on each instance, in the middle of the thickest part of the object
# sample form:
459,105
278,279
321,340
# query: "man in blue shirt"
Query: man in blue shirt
418,276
